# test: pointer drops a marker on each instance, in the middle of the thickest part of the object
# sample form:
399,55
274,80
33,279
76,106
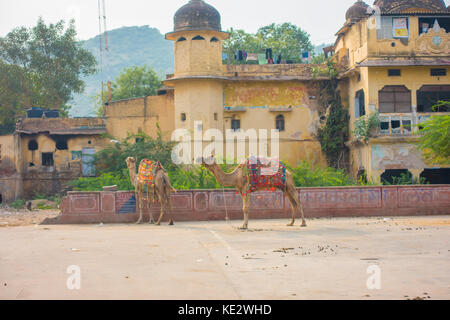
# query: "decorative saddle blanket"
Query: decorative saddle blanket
263,175
147,171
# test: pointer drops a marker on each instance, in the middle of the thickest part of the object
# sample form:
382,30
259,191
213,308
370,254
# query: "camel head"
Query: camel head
131,162
207,161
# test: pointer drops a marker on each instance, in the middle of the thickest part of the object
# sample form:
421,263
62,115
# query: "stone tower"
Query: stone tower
198,77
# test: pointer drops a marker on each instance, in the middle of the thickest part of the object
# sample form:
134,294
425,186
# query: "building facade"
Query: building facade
393,58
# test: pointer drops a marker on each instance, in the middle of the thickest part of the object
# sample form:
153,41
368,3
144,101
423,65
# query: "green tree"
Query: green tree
286,39
43,67
133,82
136,82
435,140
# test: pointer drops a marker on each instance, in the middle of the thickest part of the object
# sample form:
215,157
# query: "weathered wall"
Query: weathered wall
204,205
9,177
257,104
140,115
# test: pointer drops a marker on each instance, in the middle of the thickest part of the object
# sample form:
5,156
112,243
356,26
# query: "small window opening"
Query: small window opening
1,198
47,159
183,117
214,39
436,176
31,164
139,140
89,142
280,125
181,39
33,145
198,38
397,177
394,72
61,145
235,124
438,72
216,116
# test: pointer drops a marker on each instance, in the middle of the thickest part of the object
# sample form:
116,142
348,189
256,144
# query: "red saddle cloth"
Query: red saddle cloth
263,175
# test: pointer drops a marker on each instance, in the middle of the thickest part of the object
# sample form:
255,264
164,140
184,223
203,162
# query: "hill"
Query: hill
128,46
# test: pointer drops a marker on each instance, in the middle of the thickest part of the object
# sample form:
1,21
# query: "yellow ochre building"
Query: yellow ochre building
393,58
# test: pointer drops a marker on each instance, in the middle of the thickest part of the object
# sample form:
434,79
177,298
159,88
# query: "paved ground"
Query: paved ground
327,260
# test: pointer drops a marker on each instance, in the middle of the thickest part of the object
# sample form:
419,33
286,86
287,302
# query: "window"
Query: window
279,122
216,116
394,99
396,176
360,104
394,73
32,145
425,24
61,144
198,38
235,124
438,72
428,96
47,159
183,117
181,39
436,176
214,39
0,153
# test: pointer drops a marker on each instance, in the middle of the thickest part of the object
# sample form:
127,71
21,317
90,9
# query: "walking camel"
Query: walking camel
240,178
154,181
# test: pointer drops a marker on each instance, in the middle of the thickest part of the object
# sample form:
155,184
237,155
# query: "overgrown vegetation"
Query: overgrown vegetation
435,140
40,66
306,176
365,126
404,179
286,39
334,133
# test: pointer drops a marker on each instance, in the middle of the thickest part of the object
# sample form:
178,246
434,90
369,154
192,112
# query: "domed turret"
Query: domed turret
197,15
398,6
357,11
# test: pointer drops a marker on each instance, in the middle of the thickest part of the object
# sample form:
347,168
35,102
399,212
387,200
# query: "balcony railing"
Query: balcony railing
404,124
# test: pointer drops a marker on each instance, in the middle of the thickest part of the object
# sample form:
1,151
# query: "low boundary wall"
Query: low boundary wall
205,205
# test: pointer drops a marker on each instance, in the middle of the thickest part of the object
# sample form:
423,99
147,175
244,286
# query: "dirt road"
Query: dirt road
408,258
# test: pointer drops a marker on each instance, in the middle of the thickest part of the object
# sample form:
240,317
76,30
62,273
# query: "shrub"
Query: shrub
105,179
306,176
18,204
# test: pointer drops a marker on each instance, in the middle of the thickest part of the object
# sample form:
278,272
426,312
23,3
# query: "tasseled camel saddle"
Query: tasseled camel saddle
262,176
146,175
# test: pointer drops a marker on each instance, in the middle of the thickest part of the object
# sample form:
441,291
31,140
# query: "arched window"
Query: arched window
198,38
214,39
279,122
33,145
428,96
394,99
360,104
181,39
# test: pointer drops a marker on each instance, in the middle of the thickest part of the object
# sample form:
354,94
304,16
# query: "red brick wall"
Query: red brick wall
204,205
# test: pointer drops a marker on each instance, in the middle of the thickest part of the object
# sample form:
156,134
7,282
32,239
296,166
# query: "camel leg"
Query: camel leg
149,201
163,208
170,210
246,208
303,215
139,201
294,205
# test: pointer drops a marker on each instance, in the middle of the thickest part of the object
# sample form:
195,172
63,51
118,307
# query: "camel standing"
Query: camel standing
239,179
162,189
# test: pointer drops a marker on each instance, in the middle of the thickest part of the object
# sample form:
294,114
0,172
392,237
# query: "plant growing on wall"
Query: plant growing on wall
435,140
334,133
365,126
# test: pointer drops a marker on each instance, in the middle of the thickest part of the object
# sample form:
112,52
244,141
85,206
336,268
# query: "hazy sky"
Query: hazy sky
320,18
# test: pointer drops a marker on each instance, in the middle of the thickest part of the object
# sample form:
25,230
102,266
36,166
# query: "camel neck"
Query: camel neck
225,179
